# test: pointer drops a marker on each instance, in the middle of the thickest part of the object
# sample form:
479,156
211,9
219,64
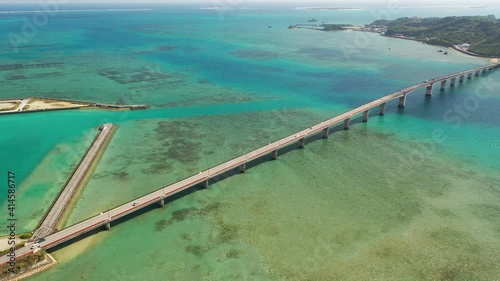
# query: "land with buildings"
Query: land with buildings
477,35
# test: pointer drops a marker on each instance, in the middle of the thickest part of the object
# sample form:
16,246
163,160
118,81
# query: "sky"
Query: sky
303,2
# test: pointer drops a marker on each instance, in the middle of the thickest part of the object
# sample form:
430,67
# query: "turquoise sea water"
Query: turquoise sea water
382,201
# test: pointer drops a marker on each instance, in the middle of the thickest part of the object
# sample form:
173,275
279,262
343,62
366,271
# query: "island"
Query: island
334,27
473,35
35,104
321,27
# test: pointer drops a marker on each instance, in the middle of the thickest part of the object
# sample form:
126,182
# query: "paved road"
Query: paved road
23,103
48,225
132,206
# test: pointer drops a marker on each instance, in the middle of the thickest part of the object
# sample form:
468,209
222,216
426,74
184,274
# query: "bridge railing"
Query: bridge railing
250,155
466,71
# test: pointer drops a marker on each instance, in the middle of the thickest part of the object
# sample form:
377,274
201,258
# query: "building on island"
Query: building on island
464,46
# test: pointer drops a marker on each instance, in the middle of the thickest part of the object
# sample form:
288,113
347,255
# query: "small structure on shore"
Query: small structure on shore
464,46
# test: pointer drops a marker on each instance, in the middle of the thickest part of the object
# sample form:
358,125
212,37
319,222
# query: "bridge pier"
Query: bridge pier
243,168
469,76
326,132
365,116
477,73
347,123
381,111
274,154
302,142
428,92
443,85
452,81
402,101
204,177
161,203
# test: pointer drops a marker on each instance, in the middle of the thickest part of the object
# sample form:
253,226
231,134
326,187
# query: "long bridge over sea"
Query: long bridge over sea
299,138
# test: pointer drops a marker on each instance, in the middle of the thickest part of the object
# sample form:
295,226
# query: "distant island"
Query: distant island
332,27
321,27
478,35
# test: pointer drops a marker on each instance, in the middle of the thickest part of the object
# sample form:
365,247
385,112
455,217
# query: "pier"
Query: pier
104,220
49,223
114,106
99,105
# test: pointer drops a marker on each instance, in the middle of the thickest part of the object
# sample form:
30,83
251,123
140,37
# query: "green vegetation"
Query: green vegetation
481,32
14,106
22,264
26,235
332,27
32,100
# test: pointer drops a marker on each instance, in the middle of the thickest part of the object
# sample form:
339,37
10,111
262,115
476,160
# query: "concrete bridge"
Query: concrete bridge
299,138
51,219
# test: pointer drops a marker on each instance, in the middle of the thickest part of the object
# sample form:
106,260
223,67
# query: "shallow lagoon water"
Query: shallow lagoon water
329,211
358,206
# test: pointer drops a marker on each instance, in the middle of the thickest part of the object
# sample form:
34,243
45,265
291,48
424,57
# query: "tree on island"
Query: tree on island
332,27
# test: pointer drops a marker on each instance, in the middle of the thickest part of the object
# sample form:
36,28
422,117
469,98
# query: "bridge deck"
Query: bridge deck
127,208
49,223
